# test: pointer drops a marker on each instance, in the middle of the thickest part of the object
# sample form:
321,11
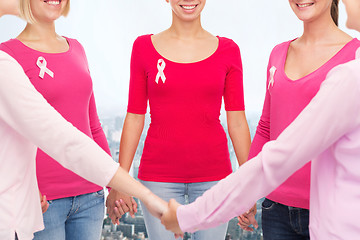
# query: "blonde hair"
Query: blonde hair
26,13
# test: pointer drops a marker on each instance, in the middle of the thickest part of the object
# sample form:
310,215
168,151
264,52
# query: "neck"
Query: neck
39,31
186,29
319,30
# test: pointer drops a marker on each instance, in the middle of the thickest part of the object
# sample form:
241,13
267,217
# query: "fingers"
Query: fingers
128,206
247,219
252,220
134,205
243,220
178,236
110,209
244,223
44,204
169,218
122,208
174,204
118,204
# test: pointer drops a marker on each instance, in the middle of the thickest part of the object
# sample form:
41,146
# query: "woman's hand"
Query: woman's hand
169,218
247,219
118,204
44,203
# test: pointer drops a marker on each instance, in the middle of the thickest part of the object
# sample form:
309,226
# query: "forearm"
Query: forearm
239,135
123,182
132,130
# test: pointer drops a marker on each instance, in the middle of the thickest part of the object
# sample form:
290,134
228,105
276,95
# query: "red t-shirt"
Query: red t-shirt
185,141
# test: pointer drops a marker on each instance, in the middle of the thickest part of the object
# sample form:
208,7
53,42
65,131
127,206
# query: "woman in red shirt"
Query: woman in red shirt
184,72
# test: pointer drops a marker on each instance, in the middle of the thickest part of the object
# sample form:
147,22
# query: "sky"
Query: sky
108,28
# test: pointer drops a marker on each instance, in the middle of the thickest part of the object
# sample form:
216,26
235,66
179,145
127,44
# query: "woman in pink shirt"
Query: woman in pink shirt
295,71
327,132
184,72
58,69
28,121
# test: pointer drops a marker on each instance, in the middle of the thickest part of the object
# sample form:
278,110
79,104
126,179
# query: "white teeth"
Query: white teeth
305,5
188,7
53,2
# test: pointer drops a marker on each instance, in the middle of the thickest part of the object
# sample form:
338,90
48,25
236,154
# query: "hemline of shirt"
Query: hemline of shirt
294,202
182,180
135,111
78,193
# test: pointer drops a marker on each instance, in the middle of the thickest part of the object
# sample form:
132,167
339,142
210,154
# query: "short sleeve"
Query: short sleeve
138,96
234,90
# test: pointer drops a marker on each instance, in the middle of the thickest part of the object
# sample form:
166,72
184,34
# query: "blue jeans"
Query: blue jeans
182,193
74,218
281,222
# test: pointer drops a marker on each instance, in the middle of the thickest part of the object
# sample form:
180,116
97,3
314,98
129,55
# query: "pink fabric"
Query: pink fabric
284,100
185,141
70,93
326,131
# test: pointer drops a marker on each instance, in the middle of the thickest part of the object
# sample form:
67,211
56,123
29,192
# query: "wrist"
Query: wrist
146,196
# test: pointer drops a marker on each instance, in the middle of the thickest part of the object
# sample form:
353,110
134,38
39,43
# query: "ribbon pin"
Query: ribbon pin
160,66
41,63
271,78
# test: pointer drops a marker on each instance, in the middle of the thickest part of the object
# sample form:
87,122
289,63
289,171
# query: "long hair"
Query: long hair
335,11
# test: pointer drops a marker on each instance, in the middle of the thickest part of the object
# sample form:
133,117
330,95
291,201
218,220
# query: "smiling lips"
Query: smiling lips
188,7
53,2
303,5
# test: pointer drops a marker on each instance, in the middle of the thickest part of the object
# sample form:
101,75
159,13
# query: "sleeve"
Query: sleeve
95,126
234,89
27,112
138,96
332,113
262,134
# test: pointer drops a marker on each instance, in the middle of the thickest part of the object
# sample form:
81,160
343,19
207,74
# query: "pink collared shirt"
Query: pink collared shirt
327,131
27,121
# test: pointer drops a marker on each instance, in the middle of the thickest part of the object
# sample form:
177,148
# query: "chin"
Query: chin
353,25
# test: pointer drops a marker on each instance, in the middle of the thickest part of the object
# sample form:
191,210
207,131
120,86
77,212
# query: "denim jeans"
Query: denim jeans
182,193
74,218
281,222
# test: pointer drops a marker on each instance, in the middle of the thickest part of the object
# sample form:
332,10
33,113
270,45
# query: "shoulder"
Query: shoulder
346,74
74,43
349,68
353,45
11,46
142,41
229,48
356,41
280,48
227,43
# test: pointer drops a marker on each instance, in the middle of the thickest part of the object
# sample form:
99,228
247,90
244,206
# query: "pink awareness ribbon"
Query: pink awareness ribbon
160,66
41,63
